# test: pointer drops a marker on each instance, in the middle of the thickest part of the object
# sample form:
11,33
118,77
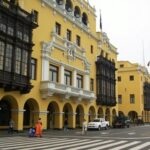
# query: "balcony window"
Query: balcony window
67,77
79,81
8,58
18,61
3,27
53,73
24,62
2,49
68,5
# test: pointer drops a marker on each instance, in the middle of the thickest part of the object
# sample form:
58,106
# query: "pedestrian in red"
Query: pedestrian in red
38,128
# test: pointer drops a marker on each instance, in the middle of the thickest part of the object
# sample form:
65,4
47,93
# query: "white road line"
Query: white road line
38,143
77,144
125,145
95,144
108,145
141,146
21,142
66,143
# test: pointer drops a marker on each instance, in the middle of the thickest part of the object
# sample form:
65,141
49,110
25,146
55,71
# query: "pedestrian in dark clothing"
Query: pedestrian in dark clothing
11,126
65,125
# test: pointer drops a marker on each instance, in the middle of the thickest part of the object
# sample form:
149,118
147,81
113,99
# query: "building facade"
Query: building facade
70,68
133,91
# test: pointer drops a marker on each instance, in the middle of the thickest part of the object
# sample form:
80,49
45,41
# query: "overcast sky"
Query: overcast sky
127,24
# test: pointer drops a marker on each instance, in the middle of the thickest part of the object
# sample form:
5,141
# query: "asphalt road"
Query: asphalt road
134,138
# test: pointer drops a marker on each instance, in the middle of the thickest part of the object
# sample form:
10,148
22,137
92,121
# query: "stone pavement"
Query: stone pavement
4,133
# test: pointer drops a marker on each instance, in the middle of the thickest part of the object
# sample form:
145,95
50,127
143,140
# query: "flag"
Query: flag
100,21
148,64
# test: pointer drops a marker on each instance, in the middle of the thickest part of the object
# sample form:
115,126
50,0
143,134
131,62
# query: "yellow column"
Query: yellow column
17,116
43,116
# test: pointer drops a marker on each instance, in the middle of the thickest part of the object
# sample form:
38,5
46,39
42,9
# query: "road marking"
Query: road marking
141,146
38,143
95,144
131,133
125,145
109,145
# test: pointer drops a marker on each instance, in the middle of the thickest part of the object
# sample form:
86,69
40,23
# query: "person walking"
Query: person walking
84,127
38,128
66,125
11,126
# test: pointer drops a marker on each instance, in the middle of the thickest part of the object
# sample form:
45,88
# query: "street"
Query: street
134,138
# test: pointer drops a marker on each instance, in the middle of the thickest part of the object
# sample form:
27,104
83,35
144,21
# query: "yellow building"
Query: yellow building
133,91
71,67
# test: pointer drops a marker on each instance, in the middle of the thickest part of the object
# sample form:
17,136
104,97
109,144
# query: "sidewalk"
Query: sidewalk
4,133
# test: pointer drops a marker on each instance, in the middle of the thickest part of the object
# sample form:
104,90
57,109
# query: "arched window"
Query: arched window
68,5
85,19
59,2
77,12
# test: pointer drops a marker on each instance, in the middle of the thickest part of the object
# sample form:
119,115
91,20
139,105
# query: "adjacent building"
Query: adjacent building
54,65
133,91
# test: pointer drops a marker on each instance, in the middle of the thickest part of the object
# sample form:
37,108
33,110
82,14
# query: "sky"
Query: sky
127,24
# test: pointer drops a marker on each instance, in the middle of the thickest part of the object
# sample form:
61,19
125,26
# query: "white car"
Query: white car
98,123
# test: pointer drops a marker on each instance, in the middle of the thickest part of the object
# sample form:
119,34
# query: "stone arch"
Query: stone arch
84,18
77,12
133,116
53,116
68,114
121,113
92,113
8,108
79,116
100,113
31,113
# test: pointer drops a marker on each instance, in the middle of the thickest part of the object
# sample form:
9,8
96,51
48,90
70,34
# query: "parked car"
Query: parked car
121,122
98,123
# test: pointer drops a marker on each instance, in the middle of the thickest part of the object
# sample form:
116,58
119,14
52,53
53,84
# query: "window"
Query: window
24,62
19,31
79,81
26,35
2,48
8,58
10,31
18,61
119,78
58,28
131,78
33,68
132,99
91,49
53,73
3,27
119,99
121,66
67,77
68,35
78,40
92,84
